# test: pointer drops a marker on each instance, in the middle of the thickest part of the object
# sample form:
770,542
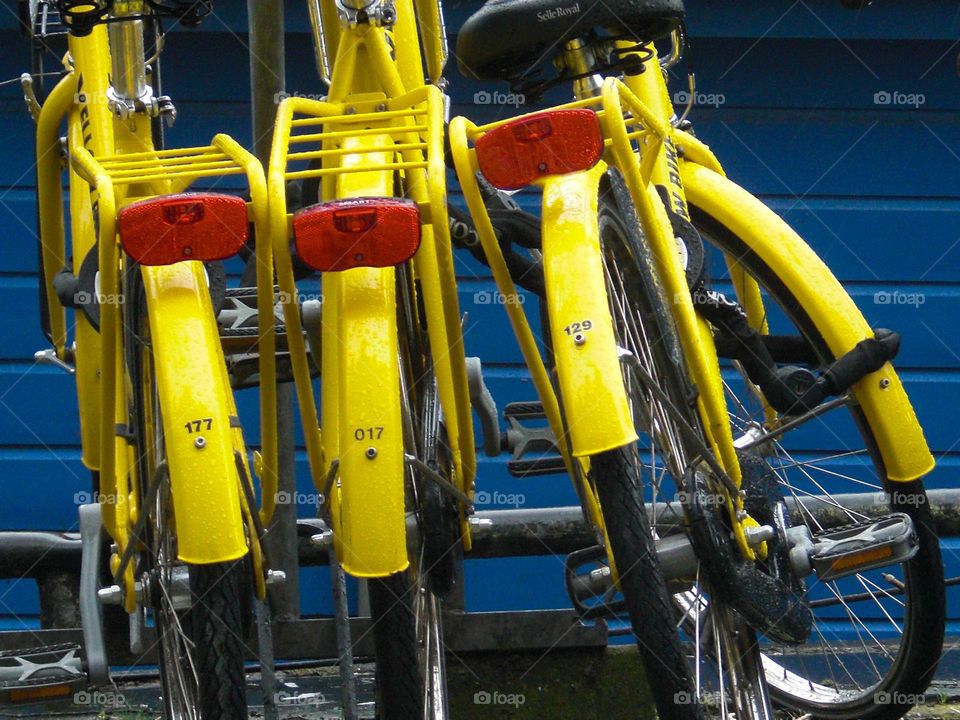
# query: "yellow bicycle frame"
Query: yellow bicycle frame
379,126
636,114
113,163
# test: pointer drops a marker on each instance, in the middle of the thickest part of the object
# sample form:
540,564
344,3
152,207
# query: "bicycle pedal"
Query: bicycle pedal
240,336
41,673
239,322
520,439
858,547
532,410
551,465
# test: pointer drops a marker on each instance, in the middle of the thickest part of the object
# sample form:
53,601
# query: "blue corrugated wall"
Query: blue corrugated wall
795,111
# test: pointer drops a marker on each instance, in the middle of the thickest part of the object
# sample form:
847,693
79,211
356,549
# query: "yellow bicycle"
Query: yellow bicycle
158,421
394,457
785,544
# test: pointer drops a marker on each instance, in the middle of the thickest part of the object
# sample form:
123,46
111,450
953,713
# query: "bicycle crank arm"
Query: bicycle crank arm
485,407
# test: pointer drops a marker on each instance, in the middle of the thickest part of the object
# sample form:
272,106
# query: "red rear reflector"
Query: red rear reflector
190,226
551,143
362,232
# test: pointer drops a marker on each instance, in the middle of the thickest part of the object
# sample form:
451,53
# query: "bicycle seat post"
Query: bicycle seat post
578,58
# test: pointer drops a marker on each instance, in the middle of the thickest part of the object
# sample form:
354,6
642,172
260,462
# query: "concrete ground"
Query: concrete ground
562,685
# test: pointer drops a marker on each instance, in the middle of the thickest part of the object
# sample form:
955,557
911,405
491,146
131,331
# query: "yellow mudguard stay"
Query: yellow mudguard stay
362,424
591,383
196,413
881,395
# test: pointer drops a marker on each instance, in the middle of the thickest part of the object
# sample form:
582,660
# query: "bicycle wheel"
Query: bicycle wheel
850,667
644,331
201,613
405,608
616,476
878,635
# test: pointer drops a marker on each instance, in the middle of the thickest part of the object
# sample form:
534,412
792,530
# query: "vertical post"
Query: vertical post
267,80
348,680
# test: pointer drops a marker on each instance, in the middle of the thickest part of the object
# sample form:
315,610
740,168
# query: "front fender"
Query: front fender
585,350
881,395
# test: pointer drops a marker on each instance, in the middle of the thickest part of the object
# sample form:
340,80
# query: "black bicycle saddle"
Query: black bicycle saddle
505,38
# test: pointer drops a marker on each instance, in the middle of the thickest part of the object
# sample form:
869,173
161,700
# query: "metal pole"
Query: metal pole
348,680
267,80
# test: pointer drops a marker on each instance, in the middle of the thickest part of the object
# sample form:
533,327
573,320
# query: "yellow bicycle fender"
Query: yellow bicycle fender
369,517
881,396
368,507
585,349
195,400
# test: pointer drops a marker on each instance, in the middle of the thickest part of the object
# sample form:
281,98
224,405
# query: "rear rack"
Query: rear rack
315,136
127,177
179,167
406,141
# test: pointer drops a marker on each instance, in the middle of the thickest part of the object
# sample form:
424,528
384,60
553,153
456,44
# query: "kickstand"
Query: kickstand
268,670
348,680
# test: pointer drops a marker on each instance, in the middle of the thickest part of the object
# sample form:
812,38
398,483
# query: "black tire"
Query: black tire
615,475
923,628
442,544
219,615
439,520
218,622
396,651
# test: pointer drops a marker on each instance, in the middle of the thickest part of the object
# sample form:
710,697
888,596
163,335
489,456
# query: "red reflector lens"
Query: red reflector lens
551,143
183,213
355,220
362,232
190,226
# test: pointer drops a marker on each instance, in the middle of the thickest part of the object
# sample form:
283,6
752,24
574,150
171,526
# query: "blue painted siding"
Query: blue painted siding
873,188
